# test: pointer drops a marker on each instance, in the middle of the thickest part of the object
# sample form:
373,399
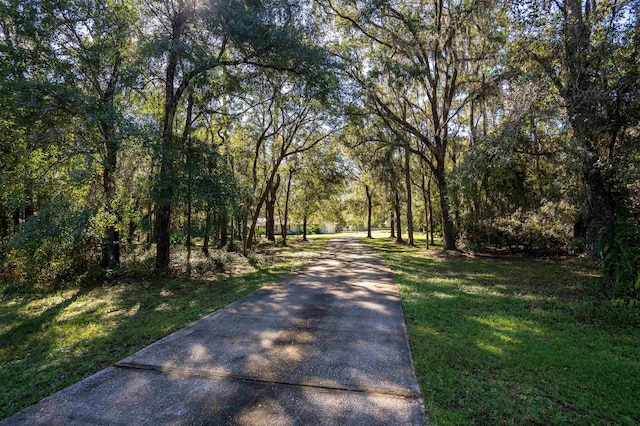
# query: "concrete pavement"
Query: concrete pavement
327,345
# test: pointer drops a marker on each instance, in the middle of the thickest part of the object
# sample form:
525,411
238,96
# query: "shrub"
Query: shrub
618,251
55,245
520,233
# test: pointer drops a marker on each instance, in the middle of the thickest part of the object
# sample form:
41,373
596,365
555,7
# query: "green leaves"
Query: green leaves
618,248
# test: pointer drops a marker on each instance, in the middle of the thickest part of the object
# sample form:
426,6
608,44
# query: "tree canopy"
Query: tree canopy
127,126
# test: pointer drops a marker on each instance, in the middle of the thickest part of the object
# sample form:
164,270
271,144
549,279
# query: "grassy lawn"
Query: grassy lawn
49,340
516,340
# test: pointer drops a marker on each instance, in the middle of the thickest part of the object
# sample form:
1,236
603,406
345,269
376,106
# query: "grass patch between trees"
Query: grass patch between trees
49,340
516,340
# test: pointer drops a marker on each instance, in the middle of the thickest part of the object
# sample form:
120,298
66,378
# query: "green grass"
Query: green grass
51,340
516,340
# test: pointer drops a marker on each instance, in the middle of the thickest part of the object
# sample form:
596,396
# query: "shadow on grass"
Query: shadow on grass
516,340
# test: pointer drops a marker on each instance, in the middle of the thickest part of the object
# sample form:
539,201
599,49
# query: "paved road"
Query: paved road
327,345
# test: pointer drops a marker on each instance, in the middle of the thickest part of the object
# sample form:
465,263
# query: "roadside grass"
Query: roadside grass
515,340
51,339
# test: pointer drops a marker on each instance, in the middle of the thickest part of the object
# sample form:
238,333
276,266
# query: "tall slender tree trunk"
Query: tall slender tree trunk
270,205
285,224
304,228
171,99
187,138
254,221
4,223
165,192
431,221
133,226
448,233
392,214
425,202
224,230
407,175
369,210
396,205
207,232
245,233
431,224
111,243
252,230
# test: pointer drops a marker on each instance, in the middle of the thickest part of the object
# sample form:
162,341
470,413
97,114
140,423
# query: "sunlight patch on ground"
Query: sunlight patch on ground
164,306
37,307
84,305
74,341
166,293
506,324
443,281
440,295
489,348
479,290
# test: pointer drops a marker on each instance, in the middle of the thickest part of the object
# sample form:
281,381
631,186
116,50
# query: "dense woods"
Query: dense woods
139,127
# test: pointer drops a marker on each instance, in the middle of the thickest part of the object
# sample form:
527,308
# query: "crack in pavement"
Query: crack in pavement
219,375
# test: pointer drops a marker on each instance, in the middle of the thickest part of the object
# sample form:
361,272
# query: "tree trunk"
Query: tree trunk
207,231
187,137
426,203
448,234
4,222
407,165
245,233
132,226
285,224
224,232
393,223
396,205
171,99
369,209
252,230
582,106
270,205
254,221
111,242
431,230
304,228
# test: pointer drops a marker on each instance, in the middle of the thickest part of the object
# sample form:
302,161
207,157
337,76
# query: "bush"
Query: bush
314,229
517,234
618,251
55,245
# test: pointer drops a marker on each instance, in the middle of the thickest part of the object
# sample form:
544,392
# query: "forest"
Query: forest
131,131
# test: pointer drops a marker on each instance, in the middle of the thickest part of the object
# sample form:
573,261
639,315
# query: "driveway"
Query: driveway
327,345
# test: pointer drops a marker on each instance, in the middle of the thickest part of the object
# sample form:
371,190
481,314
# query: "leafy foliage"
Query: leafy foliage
515,235
55,244
618,248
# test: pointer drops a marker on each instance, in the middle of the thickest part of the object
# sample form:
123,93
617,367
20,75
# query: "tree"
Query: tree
577,46
96,42
202,37
413,75
292,124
